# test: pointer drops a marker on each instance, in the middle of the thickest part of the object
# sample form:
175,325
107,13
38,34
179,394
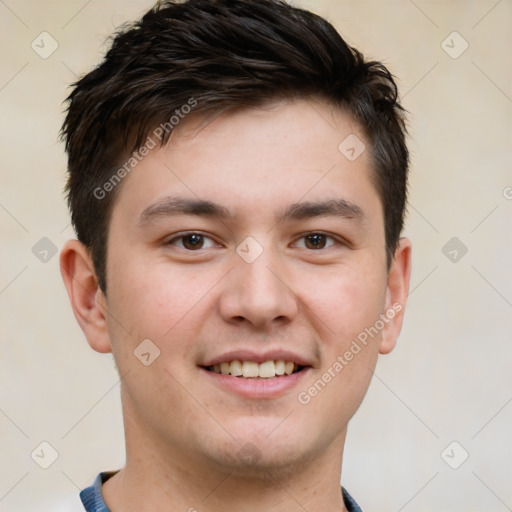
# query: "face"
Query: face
249,245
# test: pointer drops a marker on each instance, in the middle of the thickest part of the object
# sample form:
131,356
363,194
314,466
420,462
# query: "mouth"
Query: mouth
255,375
270,369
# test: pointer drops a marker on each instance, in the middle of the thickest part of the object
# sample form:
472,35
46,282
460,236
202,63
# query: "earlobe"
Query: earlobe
396,295
87,299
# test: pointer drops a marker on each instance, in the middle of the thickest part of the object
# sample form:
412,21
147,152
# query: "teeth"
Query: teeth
280,365
267,369
251,369
236,368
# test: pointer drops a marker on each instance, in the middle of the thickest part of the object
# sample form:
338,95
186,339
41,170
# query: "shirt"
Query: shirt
93,501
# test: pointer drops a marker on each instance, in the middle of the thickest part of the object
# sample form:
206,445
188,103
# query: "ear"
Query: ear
396,295
87,300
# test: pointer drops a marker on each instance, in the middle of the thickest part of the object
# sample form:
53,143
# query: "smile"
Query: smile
253,370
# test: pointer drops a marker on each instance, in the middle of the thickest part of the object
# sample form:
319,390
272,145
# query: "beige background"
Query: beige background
450,377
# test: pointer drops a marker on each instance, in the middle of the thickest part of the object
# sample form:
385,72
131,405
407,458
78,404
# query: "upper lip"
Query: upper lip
259,357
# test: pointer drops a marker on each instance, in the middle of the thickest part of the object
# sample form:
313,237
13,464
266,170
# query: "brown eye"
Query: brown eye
191,241
316,241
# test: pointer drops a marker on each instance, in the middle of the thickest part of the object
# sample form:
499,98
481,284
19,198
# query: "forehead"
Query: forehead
260,158
288,129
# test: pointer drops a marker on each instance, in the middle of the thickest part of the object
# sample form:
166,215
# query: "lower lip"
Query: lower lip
257,388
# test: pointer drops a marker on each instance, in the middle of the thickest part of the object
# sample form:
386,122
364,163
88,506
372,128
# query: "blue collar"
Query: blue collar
93,501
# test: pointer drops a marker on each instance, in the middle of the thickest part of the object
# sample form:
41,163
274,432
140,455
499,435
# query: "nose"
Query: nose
259,293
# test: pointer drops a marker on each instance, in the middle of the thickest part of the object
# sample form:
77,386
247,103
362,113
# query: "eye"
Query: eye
316,241
191,241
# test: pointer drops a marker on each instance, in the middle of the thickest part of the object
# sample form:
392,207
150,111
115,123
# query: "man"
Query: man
237,182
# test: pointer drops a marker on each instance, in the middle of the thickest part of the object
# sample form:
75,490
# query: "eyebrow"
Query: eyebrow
175,205
328,208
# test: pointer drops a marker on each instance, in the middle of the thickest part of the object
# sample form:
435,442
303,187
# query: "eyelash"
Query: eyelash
310,233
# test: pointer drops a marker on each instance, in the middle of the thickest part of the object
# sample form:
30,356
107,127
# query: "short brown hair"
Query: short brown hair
223,54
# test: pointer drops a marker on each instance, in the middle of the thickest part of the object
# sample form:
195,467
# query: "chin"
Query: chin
263,458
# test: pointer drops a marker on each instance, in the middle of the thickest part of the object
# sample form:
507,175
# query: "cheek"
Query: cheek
350,307
152,298
157,302
346,301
